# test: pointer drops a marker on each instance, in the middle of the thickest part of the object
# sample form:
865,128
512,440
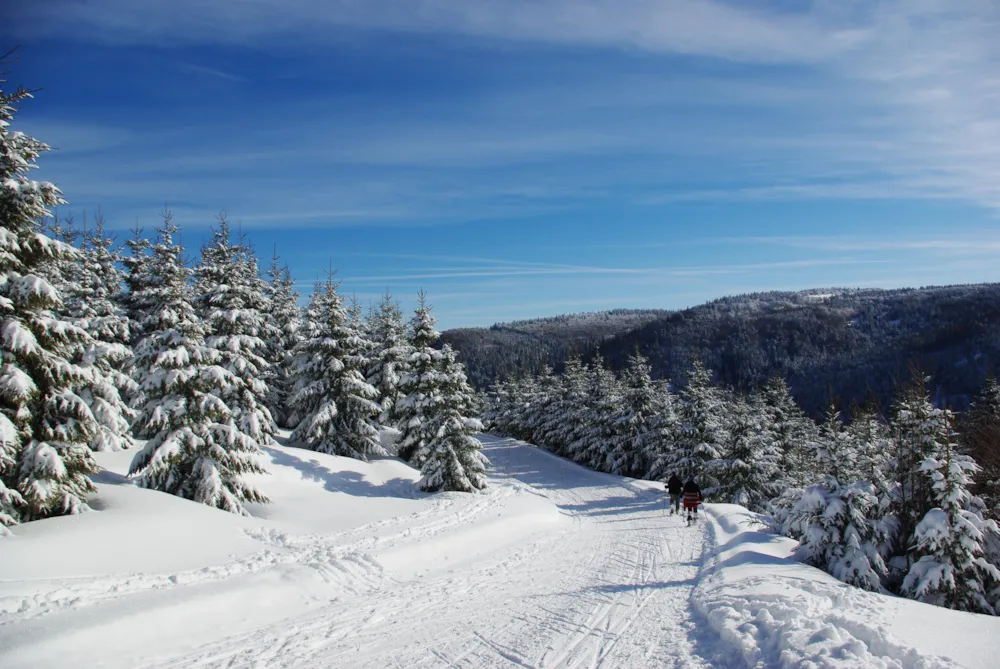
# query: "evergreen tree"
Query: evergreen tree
195,448
590,448
841,521
840,531
747,469
949,543
338,406
451,458
917,433
657,444
632,419
64,272
536,420
45,425
389,358
834,452
563,425
137,280
281,339
792,431
873,446
980,434
420,389
702,431
93,306
233,307
497,415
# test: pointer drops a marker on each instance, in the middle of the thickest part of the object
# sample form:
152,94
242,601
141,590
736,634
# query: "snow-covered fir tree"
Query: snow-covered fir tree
841,520
137,279
834,452
233,307
535,422
520,393
632,419
980,434
917,427
657,443
702,429
63,273
421,388
451,458
338,406
499,400
563,426
948,544
747,469
45,425
388,360
195,449
840,531
792,431
93,306
285,317
590,448
872,442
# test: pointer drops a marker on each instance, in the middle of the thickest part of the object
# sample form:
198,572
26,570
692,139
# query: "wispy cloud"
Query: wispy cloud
897,98
703,27
984,243
679,271
211,72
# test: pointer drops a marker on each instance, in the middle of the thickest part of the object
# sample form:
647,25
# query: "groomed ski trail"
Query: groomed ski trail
609,588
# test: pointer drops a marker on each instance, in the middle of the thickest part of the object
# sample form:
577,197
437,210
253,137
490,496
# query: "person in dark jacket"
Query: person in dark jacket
692,499
674,488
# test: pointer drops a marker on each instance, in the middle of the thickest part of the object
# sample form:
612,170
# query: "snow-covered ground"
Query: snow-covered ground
350,566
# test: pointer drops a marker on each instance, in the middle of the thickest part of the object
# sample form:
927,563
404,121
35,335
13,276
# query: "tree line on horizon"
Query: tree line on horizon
102,346
852,342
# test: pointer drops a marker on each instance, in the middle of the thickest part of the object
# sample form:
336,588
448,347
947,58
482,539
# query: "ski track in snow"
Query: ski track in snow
342,558
617,582
610,588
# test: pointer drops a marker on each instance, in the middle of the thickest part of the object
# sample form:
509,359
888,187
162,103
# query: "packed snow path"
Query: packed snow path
350,566
610,588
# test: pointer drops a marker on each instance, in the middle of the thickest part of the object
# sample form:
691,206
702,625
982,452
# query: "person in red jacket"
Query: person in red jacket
692,499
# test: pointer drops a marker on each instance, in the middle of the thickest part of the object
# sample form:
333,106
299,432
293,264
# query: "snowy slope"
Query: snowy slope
351,566
772,611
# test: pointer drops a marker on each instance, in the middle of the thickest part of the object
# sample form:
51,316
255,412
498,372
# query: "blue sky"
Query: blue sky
519,158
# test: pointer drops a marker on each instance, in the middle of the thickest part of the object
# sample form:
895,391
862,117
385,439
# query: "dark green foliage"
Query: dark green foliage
855,343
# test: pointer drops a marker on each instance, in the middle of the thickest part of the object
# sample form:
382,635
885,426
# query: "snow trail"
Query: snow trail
609,588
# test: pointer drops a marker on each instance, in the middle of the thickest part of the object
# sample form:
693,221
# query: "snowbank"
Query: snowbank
771,611
150,575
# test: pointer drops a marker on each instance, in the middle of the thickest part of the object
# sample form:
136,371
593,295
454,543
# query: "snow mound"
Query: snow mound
772,611
148,575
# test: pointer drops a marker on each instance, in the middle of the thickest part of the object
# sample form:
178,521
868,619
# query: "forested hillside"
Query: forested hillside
841,342
509,349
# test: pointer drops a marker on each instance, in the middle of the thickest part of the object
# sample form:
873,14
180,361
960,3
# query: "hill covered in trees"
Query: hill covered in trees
509,349
844,343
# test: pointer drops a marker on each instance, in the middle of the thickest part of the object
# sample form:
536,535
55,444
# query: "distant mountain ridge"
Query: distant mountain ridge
841,343
509,349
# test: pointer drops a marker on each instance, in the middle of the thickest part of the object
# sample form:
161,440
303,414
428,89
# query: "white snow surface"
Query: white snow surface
351,566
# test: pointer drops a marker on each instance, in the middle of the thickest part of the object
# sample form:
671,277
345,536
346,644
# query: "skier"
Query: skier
674,488
692,499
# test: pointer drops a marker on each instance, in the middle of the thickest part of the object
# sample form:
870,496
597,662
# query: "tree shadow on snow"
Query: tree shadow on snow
751,538
109,477
651,585
614,506
613,588
754,558
347,482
